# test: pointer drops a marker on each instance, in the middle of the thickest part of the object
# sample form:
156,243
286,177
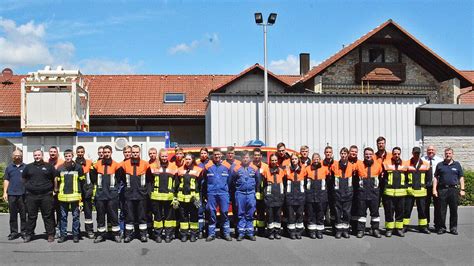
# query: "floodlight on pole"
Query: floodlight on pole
271,20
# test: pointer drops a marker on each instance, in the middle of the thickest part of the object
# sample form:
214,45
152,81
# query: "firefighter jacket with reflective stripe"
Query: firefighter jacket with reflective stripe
294,189
381,157
394,178
416,177
134,179
103,176
216,178
88,187
244,178
341,182
316,189
274,188
355,176
162,182
187,184
70,180
262,167
368,187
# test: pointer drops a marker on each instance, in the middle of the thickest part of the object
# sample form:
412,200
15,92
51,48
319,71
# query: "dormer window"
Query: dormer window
376,55
174,98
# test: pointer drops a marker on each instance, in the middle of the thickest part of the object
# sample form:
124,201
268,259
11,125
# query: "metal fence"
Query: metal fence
6,154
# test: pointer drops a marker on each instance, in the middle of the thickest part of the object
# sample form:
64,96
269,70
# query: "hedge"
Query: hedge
468,200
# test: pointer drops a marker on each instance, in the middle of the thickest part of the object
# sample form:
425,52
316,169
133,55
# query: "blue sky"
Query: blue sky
213,37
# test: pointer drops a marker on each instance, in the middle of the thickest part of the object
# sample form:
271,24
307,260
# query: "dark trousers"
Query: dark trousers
65,208
354,214
188,218
43,202
394,212
260,214
135,214
163,217
87,207
342,214
373,206
428,200
274,219
56,211
295,218
316,212
109,208
421,208
448,197
16,205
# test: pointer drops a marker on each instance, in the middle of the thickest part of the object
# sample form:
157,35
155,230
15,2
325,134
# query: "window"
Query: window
174,98
376,55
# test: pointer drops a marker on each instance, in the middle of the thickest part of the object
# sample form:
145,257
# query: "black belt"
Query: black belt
448,186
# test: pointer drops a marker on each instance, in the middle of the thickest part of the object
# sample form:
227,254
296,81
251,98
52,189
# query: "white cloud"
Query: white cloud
288,66
105,66
26,45
209,40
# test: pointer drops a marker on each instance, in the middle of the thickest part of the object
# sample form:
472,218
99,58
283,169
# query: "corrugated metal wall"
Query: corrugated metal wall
315,120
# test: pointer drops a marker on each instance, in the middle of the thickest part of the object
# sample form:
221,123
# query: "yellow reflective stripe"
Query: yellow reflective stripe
395,192
260,223
406,221
170,223
187,198
194,226
184,225
75,184
389,225
161,196
69,197
254,223
258,196
192,184
423,222
157,224
399,225
170,183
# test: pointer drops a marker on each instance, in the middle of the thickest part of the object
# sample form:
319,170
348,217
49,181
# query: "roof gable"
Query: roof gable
391,32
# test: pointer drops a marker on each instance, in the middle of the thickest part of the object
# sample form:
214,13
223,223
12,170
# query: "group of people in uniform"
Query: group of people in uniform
184,196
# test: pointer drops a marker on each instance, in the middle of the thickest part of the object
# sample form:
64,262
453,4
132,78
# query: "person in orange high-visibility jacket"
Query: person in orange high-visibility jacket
316,196
106,198
187,188
417,191
134,178
368,193
87,191
162,196
341,191
394,193
283,155
274,196
295,197
259,195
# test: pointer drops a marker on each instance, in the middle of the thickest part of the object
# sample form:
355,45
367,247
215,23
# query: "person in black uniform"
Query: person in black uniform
448,185
38,178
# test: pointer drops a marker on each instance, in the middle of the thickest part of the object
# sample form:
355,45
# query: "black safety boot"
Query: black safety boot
338,234
360,234
376,233
319,234
345,234
61,239
99,239
388,233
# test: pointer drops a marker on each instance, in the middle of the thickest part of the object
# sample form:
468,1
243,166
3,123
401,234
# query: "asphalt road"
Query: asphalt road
414,248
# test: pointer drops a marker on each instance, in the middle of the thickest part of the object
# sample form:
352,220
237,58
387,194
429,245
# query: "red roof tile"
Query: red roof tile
333,59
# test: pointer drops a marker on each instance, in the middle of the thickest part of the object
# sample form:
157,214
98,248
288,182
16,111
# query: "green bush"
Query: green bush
468,200
3,204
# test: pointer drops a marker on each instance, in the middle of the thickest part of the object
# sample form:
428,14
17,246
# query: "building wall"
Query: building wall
461,140
253,82
315,120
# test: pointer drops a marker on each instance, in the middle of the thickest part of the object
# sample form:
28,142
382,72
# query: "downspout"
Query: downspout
461,94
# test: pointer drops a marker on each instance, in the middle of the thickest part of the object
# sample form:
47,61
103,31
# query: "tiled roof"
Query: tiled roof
10,103
347,49
468,98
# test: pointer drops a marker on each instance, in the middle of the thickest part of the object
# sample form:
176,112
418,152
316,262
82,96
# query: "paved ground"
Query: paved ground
414,249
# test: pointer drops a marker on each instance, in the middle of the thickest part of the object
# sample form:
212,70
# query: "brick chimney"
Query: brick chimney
304,63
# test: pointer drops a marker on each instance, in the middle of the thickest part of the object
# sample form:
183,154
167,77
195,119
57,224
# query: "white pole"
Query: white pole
265,83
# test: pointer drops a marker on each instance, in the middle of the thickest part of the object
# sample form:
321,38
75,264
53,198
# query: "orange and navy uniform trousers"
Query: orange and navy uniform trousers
295,198
162,194
106,199
187,191
87,194
341,193
259,222
368,193
134,179
316,196
416,192
394,193
274,197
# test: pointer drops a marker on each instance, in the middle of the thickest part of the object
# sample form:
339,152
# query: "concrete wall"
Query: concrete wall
253,83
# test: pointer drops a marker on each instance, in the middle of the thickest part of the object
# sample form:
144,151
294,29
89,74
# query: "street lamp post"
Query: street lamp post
271,20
